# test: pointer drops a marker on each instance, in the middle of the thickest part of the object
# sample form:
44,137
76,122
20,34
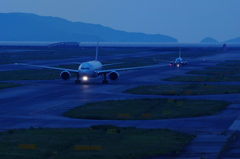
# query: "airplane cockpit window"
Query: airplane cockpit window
84,68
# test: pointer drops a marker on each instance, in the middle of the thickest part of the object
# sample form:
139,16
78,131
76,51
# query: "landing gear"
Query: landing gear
77,81
105,81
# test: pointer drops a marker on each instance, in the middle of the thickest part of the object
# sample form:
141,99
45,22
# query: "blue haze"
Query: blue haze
185,20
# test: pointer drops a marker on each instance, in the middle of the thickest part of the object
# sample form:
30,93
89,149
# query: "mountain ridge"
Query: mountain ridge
208,40
32,27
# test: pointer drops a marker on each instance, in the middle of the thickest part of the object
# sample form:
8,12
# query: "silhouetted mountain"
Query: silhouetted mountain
209,40
31,27
235,40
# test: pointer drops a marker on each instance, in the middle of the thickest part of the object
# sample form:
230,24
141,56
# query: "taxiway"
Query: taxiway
41,103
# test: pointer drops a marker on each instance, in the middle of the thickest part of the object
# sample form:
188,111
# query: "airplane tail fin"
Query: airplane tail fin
96,58
180,53
224,48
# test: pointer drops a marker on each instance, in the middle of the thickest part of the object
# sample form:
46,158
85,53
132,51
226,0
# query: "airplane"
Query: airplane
178,61
89,69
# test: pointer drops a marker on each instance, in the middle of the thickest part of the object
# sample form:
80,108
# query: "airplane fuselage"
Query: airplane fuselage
178,60
88,68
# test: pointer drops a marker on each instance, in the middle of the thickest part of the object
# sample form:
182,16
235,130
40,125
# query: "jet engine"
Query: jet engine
113,76
65,75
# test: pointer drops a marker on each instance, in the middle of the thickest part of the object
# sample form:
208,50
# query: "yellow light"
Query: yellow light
85,78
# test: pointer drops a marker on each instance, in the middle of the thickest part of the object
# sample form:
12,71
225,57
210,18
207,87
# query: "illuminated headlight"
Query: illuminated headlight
178,65
85,78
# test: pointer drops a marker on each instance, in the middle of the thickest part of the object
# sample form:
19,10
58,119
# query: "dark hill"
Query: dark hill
209,40
235,40
31,27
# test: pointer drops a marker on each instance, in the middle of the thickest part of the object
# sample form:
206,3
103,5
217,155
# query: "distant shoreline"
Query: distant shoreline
119,44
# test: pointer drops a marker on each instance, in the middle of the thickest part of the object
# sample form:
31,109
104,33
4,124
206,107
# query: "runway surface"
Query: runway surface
41,103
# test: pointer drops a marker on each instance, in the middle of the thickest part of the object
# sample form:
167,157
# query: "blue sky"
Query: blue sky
186,20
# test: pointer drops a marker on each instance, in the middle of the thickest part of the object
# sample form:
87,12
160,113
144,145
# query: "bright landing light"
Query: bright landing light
85,78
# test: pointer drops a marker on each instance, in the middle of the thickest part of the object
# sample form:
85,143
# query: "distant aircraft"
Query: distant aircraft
178,62
89,69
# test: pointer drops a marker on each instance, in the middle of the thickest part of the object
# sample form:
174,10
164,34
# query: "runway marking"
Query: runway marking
32,113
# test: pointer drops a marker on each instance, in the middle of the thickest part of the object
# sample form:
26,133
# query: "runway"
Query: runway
41,103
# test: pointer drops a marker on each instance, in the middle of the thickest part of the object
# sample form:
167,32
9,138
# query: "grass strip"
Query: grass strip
129,143
35,74
8,85
184,89
223,71
9,54
228,68
203,78
146,109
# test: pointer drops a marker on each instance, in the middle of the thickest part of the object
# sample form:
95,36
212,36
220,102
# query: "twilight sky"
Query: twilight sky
185,20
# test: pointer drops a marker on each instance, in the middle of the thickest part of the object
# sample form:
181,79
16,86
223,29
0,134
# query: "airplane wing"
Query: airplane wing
105,64
113,64
48,67
123,69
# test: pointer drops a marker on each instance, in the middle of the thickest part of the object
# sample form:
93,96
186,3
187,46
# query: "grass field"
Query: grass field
203,78
100,141
11,54
229,68
35,74
184,89
8,85
216,72
146,109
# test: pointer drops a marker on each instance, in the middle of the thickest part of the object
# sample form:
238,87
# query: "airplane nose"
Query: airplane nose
85,73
